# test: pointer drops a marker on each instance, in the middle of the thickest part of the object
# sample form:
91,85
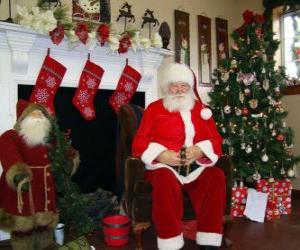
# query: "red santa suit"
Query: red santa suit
162,130
31,209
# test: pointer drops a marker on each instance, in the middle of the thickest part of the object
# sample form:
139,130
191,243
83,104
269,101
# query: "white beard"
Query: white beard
179,102
35,130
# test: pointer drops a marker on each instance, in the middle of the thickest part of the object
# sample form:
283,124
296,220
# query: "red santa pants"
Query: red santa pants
207,194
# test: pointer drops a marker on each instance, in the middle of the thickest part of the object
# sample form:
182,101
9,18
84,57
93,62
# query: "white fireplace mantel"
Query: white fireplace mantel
22,52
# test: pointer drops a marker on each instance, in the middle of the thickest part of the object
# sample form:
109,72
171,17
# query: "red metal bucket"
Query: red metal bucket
116,229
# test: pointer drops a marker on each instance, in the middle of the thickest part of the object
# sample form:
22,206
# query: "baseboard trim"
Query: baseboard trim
296,194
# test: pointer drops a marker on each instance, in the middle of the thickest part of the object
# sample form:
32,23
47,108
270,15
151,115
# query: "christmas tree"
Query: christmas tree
247,107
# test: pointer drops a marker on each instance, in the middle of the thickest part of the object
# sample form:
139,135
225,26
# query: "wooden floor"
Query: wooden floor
282,234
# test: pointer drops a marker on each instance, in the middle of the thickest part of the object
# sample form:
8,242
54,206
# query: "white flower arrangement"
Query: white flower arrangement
44,21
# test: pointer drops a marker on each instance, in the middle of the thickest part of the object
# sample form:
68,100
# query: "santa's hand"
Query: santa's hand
20,177
169,157
193,153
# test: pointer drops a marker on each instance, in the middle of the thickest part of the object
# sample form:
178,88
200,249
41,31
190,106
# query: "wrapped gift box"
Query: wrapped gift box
279,196
238,201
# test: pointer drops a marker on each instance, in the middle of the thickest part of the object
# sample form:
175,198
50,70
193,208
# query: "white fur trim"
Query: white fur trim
183,180
205,113
209,239
153,150
176,72
188,128
173,243
208,150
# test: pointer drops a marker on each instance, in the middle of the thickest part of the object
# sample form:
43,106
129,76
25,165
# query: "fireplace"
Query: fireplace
22,52
95,140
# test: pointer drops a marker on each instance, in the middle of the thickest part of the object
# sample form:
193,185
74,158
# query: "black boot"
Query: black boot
208,248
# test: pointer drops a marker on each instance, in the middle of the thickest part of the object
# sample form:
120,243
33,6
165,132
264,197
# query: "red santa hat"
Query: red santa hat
176,72
24,108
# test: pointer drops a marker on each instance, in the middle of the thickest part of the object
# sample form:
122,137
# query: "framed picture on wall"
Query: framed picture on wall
222,39
182,37
204,46
91,10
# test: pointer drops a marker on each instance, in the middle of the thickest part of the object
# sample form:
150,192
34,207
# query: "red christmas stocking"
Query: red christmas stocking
47,83
126,88
88,85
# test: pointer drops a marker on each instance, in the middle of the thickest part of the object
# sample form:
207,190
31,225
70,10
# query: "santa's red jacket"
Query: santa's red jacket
161,130
18,158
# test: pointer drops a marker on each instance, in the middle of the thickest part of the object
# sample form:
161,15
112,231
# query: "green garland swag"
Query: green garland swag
71,205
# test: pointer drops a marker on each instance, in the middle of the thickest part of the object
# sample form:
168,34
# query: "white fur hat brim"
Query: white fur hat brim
176,72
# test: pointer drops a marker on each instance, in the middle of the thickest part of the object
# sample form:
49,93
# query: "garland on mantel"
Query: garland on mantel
57,24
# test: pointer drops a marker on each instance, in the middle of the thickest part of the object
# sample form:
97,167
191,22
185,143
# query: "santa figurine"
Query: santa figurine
179,144
27,189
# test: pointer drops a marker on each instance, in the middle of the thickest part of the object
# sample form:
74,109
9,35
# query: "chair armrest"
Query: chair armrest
225,163
134,171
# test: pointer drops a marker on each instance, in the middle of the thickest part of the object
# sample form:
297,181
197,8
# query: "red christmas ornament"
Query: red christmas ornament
245,111
248,17
57,35
82,32
124,44
280,137
103,33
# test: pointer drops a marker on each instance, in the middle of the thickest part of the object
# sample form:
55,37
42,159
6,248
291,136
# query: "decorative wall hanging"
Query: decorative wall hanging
165,33
86,10
125,12
222,39
149,18
182,37
204,40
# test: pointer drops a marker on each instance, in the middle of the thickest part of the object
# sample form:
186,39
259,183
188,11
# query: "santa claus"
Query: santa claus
179,144
27,191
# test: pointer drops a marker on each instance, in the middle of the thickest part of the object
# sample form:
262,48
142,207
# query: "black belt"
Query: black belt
186,169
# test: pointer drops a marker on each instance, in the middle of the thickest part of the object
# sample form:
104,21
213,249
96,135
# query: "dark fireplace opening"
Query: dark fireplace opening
95,140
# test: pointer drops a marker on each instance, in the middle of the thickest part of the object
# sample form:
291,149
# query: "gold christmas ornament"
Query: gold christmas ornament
266,84
253,103
247,91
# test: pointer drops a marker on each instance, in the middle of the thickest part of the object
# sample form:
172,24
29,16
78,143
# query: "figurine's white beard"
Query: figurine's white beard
179,102
35,130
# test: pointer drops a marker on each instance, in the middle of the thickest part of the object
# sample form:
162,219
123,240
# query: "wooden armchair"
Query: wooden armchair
137,192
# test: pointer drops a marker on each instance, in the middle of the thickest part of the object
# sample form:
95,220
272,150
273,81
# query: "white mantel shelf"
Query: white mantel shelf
22,52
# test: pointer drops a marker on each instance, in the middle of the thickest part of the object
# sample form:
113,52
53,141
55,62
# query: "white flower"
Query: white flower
156,41
136,41
35,11
22,10
92,41
113,42
145,43
25,18
71,36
